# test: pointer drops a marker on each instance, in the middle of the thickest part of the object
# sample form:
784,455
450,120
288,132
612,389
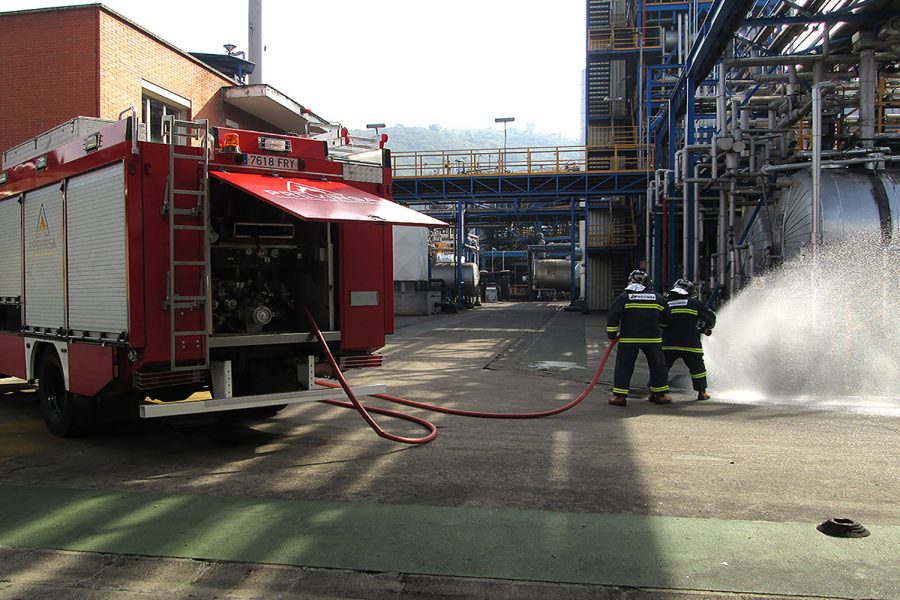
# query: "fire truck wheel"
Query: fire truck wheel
57,403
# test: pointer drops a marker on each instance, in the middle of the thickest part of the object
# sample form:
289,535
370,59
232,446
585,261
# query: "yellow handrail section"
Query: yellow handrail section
627,158
671,2
625,38
612,135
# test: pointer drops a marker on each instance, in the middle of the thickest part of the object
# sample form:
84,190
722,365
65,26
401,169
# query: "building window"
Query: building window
156,103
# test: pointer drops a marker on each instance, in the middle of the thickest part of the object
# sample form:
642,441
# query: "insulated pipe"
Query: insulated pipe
867,84
792,80
722,242
735,118
753,155
678,30
679,166
794,115
767,156
817,161
685,219
647,234
818,71
654,242
805,59
698,223
871,158
732,255
720,121
720,102
850,152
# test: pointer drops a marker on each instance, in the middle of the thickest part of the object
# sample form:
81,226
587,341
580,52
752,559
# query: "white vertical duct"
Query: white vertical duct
255,45
867,83
817,161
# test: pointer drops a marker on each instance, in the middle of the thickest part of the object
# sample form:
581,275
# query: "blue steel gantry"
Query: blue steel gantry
671,91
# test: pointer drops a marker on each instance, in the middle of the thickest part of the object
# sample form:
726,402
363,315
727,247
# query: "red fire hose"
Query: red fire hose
365,410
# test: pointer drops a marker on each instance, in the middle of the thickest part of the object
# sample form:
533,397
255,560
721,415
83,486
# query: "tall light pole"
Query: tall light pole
504,120
376,127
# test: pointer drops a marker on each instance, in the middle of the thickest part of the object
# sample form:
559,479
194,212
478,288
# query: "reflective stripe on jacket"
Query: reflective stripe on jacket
684,333
637,317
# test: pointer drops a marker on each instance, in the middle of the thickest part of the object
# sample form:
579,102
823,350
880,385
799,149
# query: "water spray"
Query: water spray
818,327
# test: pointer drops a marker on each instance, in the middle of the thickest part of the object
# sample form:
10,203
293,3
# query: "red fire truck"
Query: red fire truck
136,274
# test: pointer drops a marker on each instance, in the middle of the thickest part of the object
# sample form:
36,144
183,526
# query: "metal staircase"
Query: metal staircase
189,286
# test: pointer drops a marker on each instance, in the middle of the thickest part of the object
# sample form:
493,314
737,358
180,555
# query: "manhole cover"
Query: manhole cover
842,527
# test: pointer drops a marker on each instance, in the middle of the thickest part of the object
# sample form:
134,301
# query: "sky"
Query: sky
457,64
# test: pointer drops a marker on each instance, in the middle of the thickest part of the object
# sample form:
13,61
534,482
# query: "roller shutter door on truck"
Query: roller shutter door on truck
95,209
10,249
44,259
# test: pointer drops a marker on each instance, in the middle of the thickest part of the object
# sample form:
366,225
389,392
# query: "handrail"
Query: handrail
134,126
611,135
547,160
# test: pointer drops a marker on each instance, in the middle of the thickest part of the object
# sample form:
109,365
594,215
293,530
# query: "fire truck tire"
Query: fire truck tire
58,405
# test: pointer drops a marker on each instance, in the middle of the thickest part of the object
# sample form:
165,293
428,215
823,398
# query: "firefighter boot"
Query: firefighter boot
660,398
702,395
617,400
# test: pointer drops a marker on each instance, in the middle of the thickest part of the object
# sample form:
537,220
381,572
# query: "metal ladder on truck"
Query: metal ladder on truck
188,211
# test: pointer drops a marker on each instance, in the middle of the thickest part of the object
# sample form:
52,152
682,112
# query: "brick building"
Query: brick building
89,61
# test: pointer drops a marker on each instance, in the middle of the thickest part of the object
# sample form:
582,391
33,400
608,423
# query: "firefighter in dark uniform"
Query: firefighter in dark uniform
681,339
636,317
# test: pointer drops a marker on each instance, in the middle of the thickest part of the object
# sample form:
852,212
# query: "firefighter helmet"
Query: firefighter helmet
640,277
683,287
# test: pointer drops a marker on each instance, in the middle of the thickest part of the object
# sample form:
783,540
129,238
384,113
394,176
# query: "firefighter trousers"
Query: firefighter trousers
626,354
694,362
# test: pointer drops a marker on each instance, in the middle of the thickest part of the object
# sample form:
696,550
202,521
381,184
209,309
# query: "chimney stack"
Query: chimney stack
255,45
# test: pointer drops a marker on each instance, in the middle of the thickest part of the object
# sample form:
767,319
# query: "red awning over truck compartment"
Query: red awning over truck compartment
315,200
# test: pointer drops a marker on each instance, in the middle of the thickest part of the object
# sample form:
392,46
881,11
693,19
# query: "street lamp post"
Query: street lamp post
504,120
376,127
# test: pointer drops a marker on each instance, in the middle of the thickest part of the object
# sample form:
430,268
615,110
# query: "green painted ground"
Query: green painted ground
659,552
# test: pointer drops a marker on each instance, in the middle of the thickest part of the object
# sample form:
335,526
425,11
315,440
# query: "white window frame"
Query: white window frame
172,103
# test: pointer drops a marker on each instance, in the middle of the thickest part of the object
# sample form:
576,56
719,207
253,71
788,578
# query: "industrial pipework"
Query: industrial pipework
783,151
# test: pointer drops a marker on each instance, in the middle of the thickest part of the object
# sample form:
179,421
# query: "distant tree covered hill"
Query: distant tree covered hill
434,137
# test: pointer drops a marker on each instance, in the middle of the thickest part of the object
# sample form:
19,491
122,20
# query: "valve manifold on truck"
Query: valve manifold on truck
134,273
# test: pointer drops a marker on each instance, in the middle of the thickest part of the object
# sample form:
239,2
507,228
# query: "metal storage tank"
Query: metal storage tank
553,274
757,258
852,204
446,272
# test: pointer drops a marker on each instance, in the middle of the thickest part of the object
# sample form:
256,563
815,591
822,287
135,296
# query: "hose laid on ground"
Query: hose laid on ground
364,410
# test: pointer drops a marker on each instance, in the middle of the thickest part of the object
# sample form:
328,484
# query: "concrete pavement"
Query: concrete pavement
689,500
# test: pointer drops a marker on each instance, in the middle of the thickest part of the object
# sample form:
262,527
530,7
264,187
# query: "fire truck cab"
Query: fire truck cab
135,274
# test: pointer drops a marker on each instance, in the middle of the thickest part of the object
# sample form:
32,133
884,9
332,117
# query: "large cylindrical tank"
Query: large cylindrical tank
447,273
552,274
853,204
758,257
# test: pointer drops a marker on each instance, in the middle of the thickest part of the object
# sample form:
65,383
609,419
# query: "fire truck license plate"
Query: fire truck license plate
270,162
